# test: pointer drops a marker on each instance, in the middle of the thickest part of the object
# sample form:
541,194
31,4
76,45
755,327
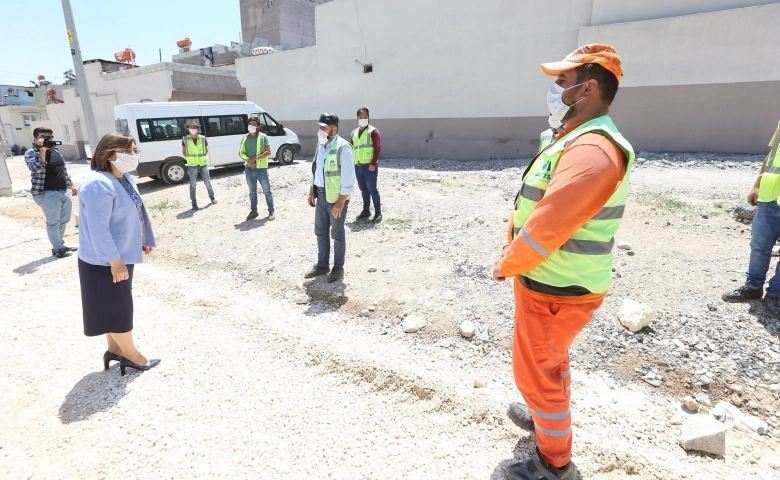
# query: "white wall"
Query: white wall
728,46
432,59
617,11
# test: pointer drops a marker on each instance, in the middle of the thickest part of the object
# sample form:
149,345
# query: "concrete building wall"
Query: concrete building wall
260,21
287,22
12,124
618,11
707,84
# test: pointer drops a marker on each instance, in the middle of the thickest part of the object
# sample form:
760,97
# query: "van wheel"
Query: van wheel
285,155
174,172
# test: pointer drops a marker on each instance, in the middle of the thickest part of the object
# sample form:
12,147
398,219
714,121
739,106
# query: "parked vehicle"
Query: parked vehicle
159,128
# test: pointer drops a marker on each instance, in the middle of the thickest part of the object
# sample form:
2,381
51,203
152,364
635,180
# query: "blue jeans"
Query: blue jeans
56,208
253,176
325,227
204,173
766,231
367,182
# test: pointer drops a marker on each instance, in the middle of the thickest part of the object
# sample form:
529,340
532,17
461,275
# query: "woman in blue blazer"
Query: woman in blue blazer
114,234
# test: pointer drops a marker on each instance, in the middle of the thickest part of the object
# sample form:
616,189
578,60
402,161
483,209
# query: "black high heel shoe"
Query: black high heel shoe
108,356
125,363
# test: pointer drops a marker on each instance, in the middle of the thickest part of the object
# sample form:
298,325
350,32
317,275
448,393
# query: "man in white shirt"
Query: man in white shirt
333,181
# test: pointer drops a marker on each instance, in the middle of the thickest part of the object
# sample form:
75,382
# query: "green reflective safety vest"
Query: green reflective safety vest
196,154
363,146
585,260
262,142
332,169
769,187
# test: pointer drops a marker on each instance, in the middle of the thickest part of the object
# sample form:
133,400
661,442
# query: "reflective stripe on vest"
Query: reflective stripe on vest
585,259
363,145
196,153
332,169
769,187
546,139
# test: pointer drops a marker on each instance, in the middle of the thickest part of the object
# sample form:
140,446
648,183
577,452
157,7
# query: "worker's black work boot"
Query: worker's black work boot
744,293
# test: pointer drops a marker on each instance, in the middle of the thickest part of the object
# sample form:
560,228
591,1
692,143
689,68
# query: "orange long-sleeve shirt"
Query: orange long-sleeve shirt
588,173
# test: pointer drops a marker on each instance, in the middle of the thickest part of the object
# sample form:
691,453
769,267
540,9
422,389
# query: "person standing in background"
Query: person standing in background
367,144
254,150
115,233
195,148
51,188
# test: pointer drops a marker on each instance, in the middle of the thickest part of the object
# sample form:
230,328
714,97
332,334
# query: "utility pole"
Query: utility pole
81,76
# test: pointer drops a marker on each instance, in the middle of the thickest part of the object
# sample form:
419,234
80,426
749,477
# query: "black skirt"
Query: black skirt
107,306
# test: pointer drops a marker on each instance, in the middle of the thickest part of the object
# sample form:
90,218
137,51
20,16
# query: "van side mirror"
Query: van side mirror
281,127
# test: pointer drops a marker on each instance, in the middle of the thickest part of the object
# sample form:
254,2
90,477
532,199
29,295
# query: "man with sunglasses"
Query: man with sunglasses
52,188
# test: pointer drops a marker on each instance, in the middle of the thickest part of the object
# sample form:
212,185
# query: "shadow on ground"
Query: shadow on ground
96,392
770,323
248,225
191,212
150,184
326,295
32,267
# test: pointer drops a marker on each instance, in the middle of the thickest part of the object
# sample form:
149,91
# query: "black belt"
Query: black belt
56,190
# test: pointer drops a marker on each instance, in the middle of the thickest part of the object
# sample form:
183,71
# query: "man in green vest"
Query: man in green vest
254,150
367,144
559,252
195,149
332,184
765,232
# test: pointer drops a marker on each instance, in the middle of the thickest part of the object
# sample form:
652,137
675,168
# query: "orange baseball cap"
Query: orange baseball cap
604,55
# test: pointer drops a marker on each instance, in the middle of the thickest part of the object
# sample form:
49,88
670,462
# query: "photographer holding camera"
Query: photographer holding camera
51,187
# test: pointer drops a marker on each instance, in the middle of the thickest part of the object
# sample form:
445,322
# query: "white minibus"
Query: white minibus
159,128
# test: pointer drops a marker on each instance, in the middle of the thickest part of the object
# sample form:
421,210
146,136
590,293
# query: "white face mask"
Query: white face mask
363,122
193,131
555,104
252,129
322,136
125,163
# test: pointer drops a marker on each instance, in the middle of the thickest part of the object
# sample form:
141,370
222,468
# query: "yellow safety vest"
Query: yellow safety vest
585,260
769,186
363,146
196,153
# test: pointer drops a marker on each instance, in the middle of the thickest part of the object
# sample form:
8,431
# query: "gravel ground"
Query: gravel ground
255,385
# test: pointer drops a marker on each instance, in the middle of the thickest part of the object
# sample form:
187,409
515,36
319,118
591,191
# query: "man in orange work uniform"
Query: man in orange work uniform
560,245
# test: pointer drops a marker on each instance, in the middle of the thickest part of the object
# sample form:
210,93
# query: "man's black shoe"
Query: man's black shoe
520,416
252,215
743,293
377,218
316,272
71,249
214,201
363,214
335,274
772,305
195,206
61,253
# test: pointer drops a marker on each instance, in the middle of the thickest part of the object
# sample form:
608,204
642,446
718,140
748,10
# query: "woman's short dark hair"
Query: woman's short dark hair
363,110
108,145
254,119
608,82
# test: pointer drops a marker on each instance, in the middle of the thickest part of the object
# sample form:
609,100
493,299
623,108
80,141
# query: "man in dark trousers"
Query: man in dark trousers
51,188
367,144
332,183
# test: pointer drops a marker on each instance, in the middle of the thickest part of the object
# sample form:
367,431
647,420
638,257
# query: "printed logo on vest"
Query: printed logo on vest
546,171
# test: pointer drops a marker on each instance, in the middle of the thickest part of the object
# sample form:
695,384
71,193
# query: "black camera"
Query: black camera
49,143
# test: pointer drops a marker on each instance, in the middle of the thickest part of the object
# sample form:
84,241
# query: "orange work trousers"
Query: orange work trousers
544,330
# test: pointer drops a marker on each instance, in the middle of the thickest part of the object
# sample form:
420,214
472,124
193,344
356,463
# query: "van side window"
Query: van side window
144,131
220,125
271,128
168,128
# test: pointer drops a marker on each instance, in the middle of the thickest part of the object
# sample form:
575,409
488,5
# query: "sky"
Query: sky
34,39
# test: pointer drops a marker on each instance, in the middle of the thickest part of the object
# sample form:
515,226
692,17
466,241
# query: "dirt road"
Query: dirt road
253,385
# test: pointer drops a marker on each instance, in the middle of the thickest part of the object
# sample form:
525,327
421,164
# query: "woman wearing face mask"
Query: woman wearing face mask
114,234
